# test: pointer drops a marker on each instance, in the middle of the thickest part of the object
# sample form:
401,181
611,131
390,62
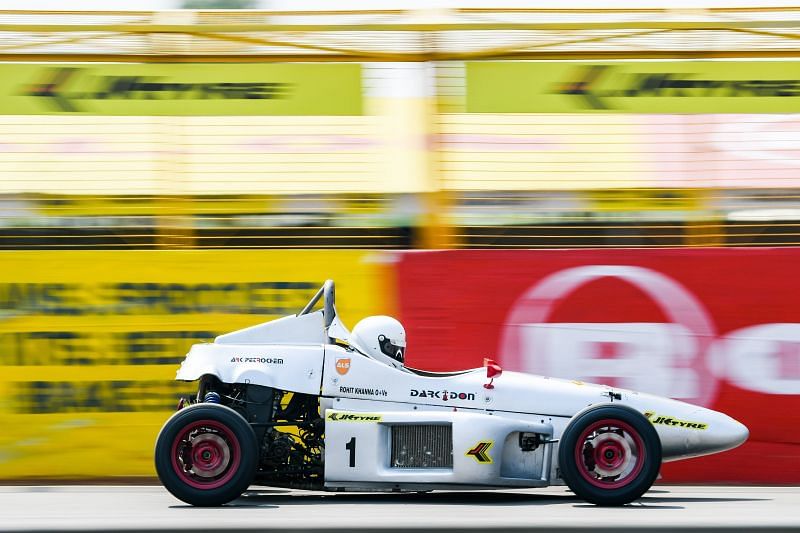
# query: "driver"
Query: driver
381,337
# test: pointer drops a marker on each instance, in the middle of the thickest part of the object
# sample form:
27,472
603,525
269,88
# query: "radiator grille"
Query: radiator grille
422,446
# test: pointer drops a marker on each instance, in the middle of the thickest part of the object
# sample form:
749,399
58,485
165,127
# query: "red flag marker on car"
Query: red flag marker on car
493,370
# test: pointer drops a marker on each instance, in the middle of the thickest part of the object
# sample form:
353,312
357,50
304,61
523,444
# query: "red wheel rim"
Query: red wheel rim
205,454
610,454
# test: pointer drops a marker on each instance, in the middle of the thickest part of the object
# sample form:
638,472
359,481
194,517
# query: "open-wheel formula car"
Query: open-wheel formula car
301,402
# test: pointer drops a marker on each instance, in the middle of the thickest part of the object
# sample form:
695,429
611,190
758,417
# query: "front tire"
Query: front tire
206,455
609,455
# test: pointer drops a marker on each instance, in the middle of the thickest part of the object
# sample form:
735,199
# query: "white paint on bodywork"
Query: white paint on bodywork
292,354
296,368
299,368
370,443
519,395
337,330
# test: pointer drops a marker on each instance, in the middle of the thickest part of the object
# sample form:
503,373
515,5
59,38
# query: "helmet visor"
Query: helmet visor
394,351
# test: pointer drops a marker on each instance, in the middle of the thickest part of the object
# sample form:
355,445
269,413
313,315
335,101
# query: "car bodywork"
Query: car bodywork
375,427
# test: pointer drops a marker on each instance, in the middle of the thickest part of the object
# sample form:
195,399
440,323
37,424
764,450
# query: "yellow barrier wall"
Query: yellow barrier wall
90,341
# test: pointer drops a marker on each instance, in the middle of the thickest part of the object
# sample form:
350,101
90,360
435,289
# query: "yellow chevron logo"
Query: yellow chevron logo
480,452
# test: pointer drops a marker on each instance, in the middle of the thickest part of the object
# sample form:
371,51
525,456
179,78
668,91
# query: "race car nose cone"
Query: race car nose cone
696,431
736,433
723,433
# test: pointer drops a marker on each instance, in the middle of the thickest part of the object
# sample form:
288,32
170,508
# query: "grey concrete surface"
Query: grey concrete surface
664,508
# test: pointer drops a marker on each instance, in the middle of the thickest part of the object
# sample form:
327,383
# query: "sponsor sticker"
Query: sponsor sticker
670,421
342,365
265,360
443,395
337,416
480,452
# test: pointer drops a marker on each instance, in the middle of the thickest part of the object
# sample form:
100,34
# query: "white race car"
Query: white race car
301,402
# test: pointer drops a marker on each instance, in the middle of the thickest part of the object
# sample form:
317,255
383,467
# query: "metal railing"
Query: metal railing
400,35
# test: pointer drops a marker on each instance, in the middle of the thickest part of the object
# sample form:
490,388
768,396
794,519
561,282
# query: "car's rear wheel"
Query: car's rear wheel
609,455
206,454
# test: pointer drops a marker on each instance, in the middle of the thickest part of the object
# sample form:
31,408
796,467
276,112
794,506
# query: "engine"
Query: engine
287,426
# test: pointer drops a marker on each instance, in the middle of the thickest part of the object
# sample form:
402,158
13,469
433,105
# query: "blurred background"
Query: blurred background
608,194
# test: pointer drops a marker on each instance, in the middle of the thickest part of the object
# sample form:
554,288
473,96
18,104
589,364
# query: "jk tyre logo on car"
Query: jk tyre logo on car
670,421
335,416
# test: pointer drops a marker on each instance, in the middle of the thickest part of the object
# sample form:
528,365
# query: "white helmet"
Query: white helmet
382,338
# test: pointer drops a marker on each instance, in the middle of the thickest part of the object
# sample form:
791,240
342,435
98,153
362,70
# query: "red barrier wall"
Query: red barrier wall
716,327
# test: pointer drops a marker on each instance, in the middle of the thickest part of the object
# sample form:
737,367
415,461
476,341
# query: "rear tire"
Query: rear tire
206,455
609,455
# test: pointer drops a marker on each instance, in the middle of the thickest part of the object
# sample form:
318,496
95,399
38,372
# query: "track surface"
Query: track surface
152,508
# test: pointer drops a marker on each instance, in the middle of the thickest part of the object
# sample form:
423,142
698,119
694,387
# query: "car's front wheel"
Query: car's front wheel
206,454
609,455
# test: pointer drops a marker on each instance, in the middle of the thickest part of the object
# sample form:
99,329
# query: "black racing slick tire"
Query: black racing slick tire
206,455
609,455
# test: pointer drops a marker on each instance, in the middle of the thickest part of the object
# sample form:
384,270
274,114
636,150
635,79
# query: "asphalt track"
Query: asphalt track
152,509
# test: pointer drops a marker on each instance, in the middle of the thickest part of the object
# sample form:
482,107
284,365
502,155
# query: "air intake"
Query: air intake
422,446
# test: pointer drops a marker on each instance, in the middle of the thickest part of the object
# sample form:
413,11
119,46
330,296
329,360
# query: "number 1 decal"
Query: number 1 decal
352,447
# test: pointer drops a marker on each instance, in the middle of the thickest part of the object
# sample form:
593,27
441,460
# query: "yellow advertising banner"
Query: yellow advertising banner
631,200
633,87
90,342
181,89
